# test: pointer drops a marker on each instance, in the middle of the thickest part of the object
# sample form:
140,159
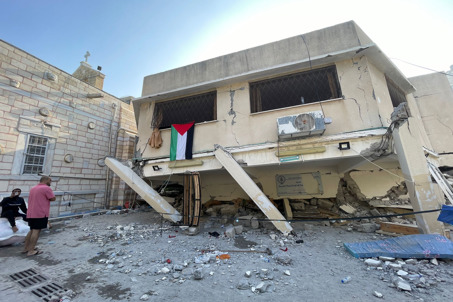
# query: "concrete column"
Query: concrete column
252,190
424,194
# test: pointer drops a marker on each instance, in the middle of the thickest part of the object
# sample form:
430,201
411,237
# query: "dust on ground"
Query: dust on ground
136,256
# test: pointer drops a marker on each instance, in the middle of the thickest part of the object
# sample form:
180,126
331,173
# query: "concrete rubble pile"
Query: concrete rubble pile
411,275
349,203
198,263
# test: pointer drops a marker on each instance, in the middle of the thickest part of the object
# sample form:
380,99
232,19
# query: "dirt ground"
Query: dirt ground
136,256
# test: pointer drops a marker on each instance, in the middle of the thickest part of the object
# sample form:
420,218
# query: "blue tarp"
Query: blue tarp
446,214
410,246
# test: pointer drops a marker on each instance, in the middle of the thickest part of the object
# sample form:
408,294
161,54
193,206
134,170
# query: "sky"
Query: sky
131,39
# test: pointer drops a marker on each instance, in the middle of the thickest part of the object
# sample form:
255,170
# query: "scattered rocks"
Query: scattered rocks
198,274
378,294
243,284
373,263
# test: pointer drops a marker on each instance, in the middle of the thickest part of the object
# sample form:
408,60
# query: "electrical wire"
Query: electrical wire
441,72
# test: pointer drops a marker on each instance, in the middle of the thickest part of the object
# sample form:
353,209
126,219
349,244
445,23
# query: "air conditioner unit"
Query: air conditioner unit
301,125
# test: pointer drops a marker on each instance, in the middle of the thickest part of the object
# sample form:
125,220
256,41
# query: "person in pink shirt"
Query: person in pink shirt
38,213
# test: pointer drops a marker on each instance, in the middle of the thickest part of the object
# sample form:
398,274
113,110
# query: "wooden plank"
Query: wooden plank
197,199
288,211
406,229
185,205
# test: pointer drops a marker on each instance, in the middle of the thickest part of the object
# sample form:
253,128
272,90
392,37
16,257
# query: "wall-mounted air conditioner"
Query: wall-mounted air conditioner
301,125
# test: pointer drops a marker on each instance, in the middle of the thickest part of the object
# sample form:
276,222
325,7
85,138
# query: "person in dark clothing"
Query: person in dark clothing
10,208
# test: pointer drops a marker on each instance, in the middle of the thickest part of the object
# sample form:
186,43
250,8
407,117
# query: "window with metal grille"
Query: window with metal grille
199,108
35,155
295,89
396,94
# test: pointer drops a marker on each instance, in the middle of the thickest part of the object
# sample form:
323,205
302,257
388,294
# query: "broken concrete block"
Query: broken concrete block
325,204
348,209
298,206
269,225
165,270
377,294
273,236
248,274
401,284
245,220
243,284
394,266
411,261
238,229
144,297
261,287
434,261
230,231
373,263
375,212
254,223
283,258
287,273
402,273
198,274
228,210
368,227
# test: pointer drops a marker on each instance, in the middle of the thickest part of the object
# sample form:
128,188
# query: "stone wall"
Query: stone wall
41,100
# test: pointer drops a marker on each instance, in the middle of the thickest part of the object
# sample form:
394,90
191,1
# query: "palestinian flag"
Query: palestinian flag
181,141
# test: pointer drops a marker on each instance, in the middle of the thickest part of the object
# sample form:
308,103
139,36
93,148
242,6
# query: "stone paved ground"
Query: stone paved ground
128,257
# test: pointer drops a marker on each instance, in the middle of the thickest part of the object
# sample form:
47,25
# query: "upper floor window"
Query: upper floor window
199,108
35,155
295,89
396,94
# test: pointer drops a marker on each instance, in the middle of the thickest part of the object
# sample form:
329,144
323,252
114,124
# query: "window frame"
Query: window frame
26,154
331,85
178,102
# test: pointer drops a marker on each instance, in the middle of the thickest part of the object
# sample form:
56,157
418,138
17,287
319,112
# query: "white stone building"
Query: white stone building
64,126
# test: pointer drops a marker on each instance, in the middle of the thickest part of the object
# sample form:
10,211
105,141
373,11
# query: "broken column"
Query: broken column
424,194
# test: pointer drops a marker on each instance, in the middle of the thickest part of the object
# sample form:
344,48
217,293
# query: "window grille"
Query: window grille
397,95
35,155
199,108
295,89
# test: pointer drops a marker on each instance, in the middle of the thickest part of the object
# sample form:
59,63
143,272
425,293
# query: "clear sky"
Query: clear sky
131,39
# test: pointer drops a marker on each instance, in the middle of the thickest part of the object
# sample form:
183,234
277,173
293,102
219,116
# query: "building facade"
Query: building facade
302,117
62,125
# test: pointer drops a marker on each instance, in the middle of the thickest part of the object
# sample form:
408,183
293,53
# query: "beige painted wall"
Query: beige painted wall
357,111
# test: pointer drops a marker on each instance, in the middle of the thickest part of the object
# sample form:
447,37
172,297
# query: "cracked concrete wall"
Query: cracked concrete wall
360,103
366,180
434,99
236,126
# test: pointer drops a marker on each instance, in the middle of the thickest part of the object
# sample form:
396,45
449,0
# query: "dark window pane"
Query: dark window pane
295,89
198,108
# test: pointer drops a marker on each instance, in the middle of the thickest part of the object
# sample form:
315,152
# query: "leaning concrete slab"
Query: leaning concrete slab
252,190
143,189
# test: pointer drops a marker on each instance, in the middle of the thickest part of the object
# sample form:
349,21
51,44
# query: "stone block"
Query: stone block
238,229
325,204
230,231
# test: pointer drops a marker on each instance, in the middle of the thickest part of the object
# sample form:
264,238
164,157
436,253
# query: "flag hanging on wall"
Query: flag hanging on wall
181,141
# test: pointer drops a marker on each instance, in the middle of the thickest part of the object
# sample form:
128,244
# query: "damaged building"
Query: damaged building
318,125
